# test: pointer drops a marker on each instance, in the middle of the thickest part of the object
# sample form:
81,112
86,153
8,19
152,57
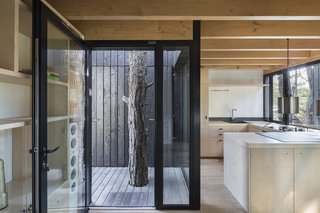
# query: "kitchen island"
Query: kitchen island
273,172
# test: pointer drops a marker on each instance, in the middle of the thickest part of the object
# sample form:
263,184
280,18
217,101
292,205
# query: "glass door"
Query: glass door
176,125
177,175
62,87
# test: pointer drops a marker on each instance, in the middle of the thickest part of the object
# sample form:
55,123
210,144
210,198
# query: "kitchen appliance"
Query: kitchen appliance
3,193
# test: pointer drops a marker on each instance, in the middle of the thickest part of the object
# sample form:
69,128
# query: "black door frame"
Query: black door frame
194,45
39,110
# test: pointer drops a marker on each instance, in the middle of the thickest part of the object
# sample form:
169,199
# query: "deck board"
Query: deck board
110,188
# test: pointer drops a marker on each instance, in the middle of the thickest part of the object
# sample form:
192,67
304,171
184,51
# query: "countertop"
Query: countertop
253,140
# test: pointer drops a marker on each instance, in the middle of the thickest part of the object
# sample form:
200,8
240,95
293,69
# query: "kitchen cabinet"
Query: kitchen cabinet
212,137
266,175
307,185
284,180
271,180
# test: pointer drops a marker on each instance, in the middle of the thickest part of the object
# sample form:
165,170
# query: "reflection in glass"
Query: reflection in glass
176,125
277,91
66,108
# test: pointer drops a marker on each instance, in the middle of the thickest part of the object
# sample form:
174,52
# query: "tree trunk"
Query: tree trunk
138,149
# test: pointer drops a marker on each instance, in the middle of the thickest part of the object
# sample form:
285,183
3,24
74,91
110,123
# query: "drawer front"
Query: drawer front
215,134
220,128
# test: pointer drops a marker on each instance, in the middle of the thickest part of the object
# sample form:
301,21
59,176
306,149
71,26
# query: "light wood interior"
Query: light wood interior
15,105
234,35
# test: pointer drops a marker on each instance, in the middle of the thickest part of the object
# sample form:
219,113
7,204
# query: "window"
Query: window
266,95
304,83
277,91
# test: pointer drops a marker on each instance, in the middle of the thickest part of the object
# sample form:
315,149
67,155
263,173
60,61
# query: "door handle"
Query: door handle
45,165
49,151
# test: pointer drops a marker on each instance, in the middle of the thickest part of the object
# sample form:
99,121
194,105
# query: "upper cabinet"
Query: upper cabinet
15,42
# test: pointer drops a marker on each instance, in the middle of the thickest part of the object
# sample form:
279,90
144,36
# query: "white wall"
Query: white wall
235,89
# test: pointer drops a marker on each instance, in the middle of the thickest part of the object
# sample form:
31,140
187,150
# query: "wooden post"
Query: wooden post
138,148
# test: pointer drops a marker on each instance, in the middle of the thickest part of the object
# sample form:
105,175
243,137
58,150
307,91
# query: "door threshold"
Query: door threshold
121,208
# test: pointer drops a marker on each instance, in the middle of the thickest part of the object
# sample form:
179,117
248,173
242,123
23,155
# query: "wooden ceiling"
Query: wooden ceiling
234,34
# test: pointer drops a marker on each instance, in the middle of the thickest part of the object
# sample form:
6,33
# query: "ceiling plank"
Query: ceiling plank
244,62
254,55
188,10
266,68
259,45
135,30
260,29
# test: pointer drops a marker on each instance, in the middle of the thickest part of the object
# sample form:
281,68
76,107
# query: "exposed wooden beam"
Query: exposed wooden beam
266,68
243,62
188,10
260,29
259,45
135,30
254,55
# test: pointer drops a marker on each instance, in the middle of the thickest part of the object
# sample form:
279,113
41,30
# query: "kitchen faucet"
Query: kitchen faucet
232,114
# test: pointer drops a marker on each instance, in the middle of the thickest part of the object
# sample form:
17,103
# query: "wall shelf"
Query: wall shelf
10,123
60,83
58,118
8,76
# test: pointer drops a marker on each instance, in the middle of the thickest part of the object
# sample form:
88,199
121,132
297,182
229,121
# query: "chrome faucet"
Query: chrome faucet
232,114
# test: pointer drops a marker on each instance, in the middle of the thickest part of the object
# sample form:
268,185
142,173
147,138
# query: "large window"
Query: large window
303,82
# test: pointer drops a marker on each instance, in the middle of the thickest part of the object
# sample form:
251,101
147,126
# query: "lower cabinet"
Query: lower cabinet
307,180
212,138
271,180
284,180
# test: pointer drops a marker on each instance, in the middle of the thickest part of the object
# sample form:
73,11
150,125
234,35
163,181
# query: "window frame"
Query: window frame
285,73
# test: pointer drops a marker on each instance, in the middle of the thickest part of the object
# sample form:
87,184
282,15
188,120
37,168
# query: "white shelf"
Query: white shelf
58,118
54,82
11,123
8,76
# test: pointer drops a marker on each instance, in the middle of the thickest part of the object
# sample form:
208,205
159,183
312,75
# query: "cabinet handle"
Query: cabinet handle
220,128
220,134
220,140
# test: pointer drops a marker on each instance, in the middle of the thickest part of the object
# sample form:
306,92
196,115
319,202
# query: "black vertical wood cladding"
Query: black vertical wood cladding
110,129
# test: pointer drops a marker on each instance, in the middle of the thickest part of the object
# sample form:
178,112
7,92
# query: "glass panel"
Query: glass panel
66,117
176,125
110,129
304,83
266,91
277,92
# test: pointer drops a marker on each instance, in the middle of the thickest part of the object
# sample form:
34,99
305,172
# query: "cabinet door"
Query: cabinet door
307,180
216,148
271,180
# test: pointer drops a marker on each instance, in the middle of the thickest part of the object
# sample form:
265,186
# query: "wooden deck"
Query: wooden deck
110,188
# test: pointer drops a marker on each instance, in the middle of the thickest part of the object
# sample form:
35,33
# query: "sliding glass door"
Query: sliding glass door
62,87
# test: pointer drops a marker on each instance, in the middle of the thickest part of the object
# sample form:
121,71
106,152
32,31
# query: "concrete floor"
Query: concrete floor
215,198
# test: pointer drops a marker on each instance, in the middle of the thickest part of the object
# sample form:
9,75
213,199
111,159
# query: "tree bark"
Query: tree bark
138,149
